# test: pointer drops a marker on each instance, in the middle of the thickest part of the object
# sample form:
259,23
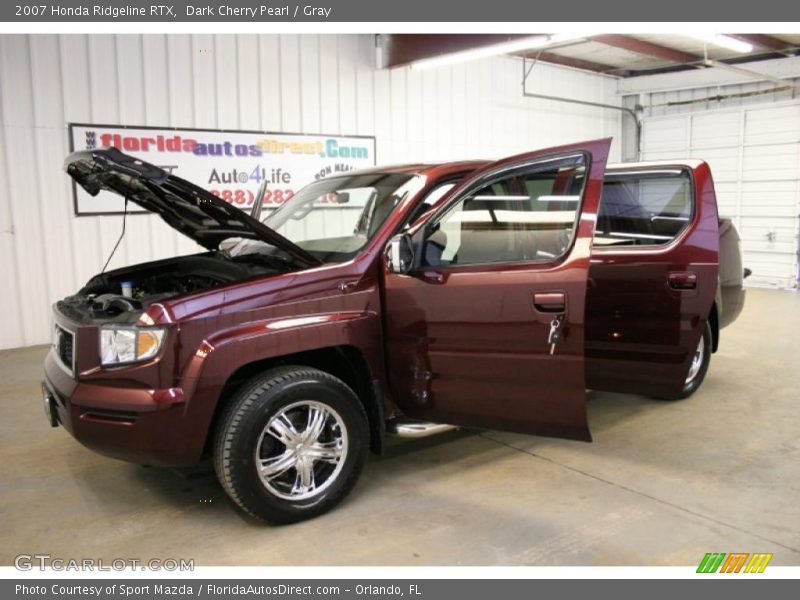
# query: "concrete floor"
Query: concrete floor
662,484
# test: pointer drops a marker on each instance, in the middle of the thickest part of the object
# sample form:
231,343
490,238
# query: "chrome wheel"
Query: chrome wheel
697,362
301,451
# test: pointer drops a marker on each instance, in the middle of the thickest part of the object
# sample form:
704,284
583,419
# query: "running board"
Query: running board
416,429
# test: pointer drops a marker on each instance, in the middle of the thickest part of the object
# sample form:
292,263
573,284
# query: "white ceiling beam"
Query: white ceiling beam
778,68
753,75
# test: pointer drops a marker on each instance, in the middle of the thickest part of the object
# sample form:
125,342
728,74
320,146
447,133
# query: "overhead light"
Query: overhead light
526,43
725,41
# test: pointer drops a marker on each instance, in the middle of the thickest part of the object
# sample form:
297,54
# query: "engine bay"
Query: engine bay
122,294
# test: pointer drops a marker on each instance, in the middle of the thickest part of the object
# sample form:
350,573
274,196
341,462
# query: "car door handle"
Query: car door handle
554,302
431,276
682,280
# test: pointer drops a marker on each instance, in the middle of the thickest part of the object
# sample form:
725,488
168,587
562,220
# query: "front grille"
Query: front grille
64,347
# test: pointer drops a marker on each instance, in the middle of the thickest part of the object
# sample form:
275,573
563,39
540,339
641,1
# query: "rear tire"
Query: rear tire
699,365
291,444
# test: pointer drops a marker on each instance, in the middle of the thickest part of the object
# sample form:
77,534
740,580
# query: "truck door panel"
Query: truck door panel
467,331
648,301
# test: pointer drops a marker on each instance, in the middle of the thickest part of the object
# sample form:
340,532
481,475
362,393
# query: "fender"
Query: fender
223,353
226,351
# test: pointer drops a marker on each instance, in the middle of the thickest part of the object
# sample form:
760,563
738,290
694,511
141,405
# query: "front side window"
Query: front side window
526,214
643,208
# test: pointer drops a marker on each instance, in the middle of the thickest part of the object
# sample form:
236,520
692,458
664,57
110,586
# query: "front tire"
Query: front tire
291,444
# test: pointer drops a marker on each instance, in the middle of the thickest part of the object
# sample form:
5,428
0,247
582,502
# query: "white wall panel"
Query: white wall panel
27,213
665,135
294,83
724,162
772,125
727,197
247,73
772,162
715,130
347,61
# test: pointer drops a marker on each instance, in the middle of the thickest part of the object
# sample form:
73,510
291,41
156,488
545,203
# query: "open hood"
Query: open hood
186,207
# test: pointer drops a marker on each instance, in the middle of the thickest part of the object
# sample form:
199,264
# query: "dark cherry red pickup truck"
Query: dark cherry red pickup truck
405,299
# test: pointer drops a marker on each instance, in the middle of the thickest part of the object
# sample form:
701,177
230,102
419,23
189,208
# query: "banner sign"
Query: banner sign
229,164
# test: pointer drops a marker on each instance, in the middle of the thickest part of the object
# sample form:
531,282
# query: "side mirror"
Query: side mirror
399,254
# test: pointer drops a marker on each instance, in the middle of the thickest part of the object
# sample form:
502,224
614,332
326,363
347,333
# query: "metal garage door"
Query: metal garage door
754,155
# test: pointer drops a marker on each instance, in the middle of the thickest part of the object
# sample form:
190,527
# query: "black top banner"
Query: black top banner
441,11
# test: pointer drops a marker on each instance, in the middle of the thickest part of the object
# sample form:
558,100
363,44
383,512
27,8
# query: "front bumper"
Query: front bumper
49,405
136,424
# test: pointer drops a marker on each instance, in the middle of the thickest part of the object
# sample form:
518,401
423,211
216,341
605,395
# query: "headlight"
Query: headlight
129,344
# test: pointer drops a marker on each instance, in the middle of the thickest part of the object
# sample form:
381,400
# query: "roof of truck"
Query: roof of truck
420,168
689,162
470,165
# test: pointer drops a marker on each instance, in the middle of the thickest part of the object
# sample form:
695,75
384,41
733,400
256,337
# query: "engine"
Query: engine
120,295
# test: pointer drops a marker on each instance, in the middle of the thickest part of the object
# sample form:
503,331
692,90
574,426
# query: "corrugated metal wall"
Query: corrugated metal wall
295,83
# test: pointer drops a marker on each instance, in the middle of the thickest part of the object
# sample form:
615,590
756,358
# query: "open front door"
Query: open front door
502,263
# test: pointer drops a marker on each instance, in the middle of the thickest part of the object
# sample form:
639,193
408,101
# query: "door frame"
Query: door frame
574,259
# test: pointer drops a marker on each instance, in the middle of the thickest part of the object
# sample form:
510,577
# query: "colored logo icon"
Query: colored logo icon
737,562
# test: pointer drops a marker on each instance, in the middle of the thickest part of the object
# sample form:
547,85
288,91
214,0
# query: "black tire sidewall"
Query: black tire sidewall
253,496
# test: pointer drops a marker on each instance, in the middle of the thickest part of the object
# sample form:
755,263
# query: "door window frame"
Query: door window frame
493,176
414,216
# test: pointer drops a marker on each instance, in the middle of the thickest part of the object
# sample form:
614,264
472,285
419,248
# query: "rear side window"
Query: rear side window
644,208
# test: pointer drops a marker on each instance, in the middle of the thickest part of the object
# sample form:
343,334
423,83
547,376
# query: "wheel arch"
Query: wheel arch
345,362
713,321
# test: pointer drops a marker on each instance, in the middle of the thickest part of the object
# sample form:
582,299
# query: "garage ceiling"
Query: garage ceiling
613,54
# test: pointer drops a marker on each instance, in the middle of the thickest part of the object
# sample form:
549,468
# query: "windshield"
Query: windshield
334,218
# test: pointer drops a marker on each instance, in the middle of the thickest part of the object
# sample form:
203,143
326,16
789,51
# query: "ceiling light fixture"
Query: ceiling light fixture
725,41
526,43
